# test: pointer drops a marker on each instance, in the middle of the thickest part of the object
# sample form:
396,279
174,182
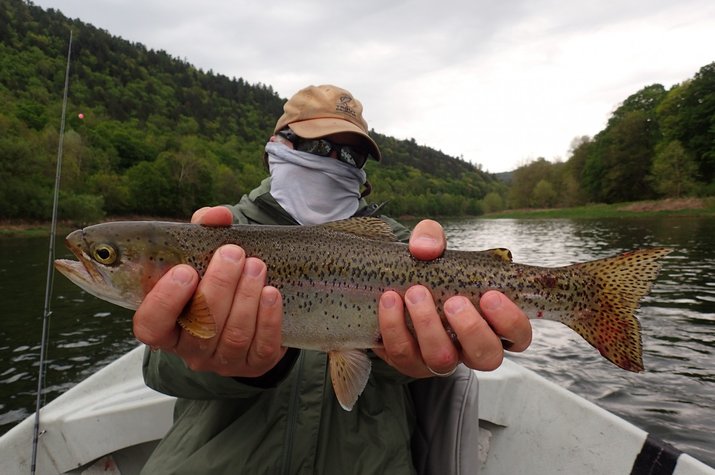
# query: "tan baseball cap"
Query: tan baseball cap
317,111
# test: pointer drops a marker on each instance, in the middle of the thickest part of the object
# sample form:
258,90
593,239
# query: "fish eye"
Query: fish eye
104,254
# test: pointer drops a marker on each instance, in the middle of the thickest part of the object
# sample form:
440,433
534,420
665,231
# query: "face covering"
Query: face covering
311,188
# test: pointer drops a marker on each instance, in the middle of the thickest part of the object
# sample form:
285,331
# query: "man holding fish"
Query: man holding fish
246,403
328,366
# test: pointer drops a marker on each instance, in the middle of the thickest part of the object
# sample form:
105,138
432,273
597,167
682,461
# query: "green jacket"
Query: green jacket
287,421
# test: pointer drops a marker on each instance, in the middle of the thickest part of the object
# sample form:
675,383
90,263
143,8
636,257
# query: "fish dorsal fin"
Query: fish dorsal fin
349,372
501,253
364,226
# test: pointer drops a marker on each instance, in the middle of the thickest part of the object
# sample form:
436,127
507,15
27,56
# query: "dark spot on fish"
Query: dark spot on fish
549,281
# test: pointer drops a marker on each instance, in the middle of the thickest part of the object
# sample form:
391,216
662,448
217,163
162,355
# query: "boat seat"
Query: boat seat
446,437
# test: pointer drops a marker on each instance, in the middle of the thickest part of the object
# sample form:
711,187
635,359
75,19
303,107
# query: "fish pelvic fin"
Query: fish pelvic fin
196,318
610,324
349,372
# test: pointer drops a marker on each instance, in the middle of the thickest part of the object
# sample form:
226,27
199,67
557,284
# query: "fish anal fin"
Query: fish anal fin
349,372
196,318
363,226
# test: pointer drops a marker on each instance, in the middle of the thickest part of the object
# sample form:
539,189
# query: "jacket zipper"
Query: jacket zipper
292,418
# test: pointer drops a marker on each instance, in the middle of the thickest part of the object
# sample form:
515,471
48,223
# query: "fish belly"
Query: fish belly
329,317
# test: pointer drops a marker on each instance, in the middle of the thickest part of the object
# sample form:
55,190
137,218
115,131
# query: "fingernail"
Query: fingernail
198,214
426,241
388,300
455,305
253,268
268,299
231,253
416,295
182,275
490,301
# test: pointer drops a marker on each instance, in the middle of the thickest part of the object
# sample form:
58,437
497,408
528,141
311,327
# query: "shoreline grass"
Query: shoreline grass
686,207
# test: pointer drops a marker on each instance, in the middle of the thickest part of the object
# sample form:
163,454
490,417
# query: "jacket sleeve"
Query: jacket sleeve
402,233
168,374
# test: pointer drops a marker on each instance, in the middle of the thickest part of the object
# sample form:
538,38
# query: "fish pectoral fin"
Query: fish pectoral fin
363,226
196,318
349,372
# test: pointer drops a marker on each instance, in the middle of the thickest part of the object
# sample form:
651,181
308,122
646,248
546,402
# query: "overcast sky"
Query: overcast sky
498,82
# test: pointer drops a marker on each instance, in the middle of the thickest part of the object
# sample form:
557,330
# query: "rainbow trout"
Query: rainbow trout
332,275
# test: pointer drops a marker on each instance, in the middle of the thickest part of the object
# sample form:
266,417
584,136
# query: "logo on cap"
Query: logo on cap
343,105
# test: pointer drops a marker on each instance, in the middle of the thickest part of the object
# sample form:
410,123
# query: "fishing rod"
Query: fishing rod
50,273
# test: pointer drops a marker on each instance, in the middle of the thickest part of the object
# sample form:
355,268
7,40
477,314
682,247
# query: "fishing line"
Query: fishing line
50,272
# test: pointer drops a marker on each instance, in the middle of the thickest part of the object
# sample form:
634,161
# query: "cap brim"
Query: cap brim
314,128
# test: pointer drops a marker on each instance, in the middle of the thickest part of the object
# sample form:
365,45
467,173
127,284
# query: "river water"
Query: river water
674,399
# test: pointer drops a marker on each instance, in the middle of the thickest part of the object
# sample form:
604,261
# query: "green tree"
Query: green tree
628,158
492,202
526,178
574,190
150,190
114,190
619,159
34,114
688,115
674,171
544,194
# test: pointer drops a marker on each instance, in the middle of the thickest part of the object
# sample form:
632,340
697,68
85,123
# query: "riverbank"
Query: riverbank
9,228
668,207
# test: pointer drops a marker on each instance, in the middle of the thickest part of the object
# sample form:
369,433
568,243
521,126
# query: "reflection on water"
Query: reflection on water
674,399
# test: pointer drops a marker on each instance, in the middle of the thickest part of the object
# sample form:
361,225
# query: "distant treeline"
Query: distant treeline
658,143
159,137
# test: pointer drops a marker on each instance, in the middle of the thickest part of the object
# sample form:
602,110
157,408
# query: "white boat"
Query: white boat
110,423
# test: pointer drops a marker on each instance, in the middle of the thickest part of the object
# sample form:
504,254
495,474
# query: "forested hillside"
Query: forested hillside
657,144
150,134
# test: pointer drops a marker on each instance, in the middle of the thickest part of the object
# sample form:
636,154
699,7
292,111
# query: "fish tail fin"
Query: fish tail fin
610,324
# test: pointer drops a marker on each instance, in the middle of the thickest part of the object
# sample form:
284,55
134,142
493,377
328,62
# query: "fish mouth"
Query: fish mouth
83,271
83,266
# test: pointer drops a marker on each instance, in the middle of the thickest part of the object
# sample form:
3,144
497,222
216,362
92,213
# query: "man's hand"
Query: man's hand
248,313
482,336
